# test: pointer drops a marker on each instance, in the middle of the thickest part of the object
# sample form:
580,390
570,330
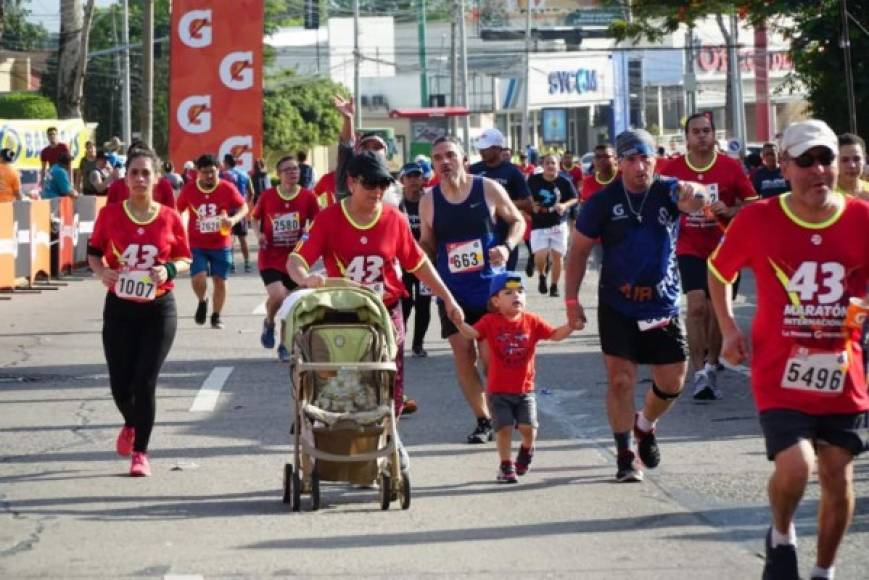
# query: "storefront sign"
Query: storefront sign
713,61
569,79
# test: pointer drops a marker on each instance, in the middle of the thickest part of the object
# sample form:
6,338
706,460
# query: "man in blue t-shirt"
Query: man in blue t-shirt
491,145
57,182
637,220
768,180
240,179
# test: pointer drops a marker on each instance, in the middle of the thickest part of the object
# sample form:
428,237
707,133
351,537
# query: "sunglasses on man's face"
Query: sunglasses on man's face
372,185
825,157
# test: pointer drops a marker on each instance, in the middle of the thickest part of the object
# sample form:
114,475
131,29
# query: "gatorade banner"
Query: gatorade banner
215,103
27,138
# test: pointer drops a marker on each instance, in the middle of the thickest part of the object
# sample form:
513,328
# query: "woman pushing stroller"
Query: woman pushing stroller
365,240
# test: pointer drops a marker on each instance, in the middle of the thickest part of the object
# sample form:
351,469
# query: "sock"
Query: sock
483,421
623,441
818,572
643,424
708,368
789,538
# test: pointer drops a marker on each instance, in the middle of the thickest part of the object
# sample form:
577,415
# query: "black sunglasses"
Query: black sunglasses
806,160
372,185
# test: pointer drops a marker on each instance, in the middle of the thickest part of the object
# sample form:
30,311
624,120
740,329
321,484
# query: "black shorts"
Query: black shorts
620,336
240,229
472,315
693,271
784,428
270,275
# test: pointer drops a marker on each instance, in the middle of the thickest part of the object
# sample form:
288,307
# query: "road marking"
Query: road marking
183,577
206,398
103,376
261,309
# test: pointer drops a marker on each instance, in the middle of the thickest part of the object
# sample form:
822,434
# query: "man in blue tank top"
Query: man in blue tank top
637,220
458,230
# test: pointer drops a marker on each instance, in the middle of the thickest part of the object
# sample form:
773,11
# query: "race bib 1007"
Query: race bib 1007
464,257
815,371
136,285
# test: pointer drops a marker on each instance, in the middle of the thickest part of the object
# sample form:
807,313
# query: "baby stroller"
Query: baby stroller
343,348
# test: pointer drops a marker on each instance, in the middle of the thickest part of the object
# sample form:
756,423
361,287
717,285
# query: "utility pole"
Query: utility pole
849,73
525,137
147,72
423,70
454,67
690,80
357,98
126,129
737,108
463,34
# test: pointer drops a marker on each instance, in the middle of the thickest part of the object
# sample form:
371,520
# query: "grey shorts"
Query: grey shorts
508,410
784,428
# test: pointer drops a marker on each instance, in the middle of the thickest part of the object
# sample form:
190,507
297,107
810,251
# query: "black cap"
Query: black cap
370,167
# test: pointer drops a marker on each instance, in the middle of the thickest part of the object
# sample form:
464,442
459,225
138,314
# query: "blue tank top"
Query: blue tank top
464,232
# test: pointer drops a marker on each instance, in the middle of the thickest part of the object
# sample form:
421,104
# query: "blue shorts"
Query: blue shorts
213,262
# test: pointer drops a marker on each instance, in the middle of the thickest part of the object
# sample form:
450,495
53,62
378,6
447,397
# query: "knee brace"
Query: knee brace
665,396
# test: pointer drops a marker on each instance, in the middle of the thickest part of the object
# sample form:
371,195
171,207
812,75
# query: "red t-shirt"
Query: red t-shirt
51,153
119,191
512,344
805,275
325,190
591,185
575,173
373,254
205,208
128,244
283,221
526,170
700,232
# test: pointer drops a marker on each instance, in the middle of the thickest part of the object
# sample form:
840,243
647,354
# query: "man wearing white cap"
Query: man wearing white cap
809,256
491,145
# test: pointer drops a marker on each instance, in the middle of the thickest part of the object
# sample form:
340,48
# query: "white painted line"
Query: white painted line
261,309
101,376
206,399
183,577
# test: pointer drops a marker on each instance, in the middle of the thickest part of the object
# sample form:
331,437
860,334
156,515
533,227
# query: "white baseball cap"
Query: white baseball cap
801,136
490,138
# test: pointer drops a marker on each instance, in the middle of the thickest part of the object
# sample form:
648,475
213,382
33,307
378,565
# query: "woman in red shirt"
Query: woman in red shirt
137,248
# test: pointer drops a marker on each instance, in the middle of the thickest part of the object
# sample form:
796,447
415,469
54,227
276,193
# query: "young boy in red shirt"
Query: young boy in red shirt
511,335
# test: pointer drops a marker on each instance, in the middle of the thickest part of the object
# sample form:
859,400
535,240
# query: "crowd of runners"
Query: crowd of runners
658,226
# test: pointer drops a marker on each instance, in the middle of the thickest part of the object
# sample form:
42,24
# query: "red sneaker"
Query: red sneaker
140,466
124,444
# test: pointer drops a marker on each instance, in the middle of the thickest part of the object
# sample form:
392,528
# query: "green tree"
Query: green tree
298,113
16,33
813,27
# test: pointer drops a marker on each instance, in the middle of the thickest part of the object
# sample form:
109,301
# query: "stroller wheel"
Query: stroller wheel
315,489
296,503
385,491
405,490
288,482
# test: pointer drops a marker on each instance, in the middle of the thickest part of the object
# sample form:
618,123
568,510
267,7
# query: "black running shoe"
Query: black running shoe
781,561
541,284
628,468
483,433
215,320
506,473
201,312
553,290
529,266
523,460
647,446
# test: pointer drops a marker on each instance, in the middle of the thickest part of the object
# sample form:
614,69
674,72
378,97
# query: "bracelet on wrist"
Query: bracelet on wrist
171,270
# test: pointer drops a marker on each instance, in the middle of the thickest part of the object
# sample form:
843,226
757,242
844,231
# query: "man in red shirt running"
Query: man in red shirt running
214,206
810,259
699,234
606,169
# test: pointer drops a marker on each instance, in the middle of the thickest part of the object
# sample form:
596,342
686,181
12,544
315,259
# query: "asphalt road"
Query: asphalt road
213,506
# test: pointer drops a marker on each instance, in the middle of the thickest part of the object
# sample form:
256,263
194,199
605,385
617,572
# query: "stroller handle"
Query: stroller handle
360,366
342,283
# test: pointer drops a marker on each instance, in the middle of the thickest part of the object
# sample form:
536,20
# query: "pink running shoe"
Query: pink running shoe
124,444
140,467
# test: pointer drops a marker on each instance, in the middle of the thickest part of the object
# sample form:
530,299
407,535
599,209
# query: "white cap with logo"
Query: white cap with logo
490,138
801,136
